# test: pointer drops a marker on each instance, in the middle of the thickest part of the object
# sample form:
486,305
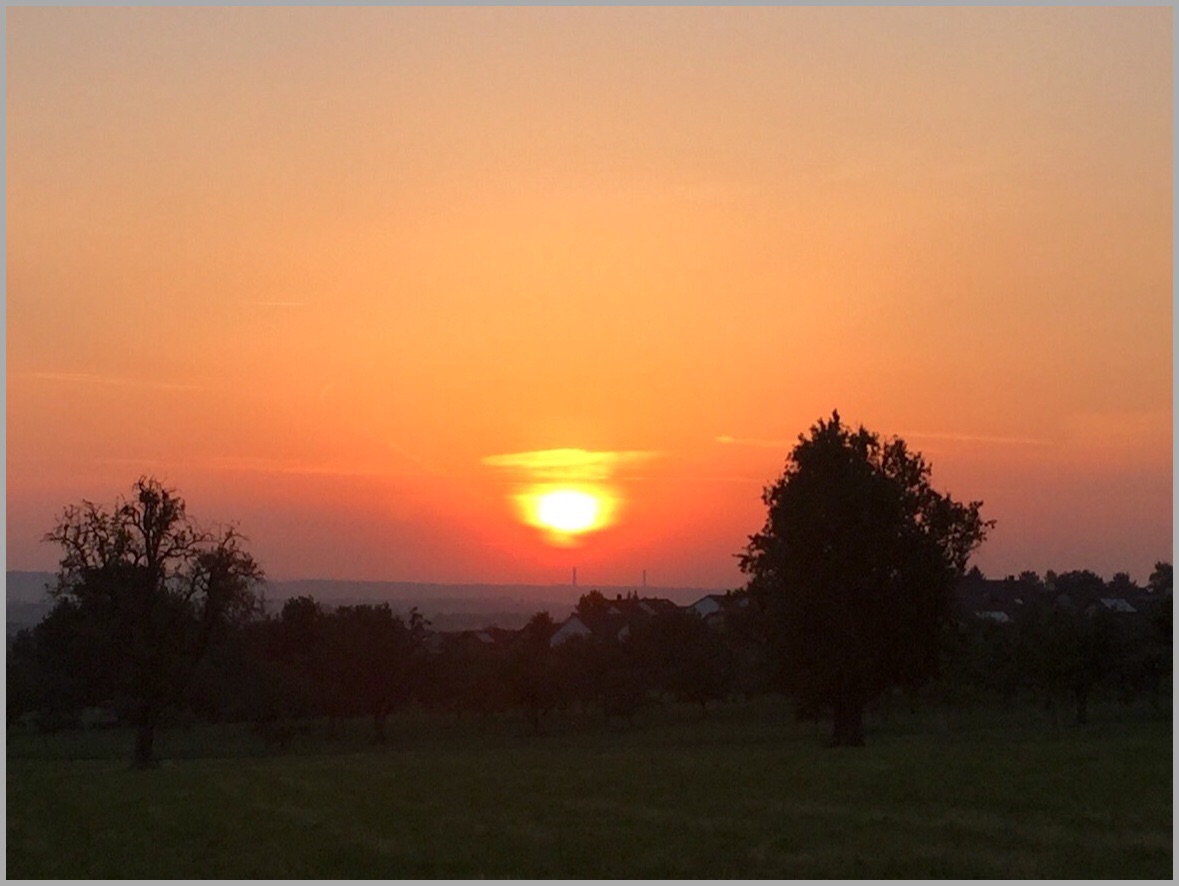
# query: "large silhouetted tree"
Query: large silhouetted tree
854,568
147,591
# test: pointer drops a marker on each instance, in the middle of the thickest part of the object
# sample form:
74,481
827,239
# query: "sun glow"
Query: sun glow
567,510
567,493
566,513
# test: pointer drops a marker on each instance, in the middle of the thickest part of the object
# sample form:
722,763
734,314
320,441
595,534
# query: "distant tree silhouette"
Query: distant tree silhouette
142,592
592,605
621,685
854,568
531,668
299,637
1161,579
58,667
980,659
578,664
22,686
602,673
372,659
229,682
680,656
1065,650
1122,585
467,674
294,679
1078,588
1031,580
1151,658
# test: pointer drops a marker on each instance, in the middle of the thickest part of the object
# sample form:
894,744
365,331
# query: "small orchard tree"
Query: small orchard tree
530,667
683,657
854,568
373,658
147,592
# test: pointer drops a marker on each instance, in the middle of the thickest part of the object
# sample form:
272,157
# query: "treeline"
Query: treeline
857,590
311,662
1061,646
1064,640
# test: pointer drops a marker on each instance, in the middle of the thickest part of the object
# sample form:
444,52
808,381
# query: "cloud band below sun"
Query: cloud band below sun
568,464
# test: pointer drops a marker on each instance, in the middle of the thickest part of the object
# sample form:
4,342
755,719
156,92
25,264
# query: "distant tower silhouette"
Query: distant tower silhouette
644,578
574,576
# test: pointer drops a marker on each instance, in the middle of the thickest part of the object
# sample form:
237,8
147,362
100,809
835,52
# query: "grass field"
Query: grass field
744,793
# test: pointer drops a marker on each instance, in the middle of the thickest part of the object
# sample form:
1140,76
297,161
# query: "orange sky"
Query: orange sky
319,268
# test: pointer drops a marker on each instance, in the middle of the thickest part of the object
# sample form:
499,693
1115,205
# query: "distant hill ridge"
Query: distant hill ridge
29,587
469,606
330,590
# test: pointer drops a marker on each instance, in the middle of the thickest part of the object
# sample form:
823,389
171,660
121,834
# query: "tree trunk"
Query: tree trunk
848,725
145,733
1082,693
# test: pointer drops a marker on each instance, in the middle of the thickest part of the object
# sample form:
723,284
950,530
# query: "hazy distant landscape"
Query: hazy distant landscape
449,607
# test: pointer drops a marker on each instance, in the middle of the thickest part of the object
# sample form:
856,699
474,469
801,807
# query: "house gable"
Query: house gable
572,627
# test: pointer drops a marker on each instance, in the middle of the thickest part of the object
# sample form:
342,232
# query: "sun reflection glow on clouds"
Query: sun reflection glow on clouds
566,492
568,464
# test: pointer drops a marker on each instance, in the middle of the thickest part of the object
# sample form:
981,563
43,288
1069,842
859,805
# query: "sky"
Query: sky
369,282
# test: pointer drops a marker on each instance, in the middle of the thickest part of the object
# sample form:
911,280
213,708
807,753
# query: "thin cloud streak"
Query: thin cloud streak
975,438
421,464
303,469
751,441
109,380
250,465
568,464
913,435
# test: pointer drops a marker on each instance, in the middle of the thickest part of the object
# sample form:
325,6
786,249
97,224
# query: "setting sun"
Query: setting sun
567,510
566,513
567,492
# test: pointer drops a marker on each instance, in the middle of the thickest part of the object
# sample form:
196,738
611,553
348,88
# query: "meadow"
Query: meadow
745,792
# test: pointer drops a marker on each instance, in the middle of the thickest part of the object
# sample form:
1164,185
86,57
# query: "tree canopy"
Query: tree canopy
149,591
1161,579
854,568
